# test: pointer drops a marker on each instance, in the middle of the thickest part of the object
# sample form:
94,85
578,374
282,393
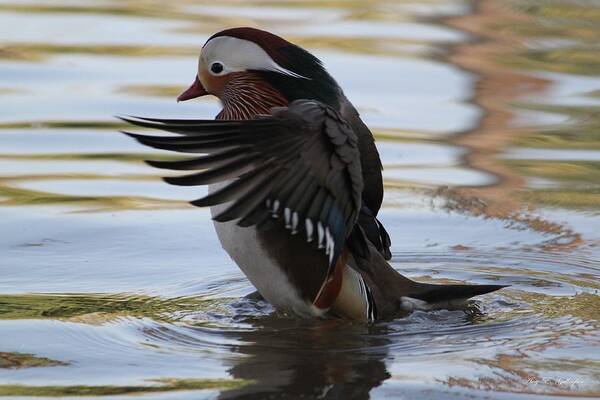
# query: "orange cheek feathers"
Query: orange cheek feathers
214,84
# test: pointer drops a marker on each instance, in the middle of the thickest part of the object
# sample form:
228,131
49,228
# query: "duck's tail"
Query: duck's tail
426,296
394,294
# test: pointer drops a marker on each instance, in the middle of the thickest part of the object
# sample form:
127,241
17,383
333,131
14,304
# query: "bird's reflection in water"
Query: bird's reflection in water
288,358
291,359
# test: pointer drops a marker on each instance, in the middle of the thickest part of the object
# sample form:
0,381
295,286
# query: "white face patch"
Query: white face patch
236,55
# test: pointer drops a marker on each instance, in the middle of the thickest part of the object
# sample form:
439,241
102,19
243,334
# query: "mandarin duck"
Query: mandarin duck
295,182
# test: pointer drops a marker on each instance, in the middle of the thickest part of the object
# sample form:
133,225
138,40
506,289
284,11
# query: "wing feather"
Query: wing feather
208,161
236,189
230,170
299,167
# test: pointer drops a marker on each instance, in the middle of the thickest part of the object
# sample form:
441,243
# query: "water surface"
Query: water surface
486,117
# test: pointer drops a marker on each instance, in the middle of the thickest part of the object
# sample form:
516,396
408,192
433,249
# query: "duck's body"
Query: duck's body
276,264
295,182
245,247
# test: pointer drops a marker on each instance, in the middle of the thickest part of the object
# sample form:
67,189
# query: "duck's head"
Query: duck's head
251,70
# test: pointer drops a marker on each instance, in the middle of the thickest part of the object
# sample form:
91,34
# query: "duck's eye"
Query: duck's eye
216,68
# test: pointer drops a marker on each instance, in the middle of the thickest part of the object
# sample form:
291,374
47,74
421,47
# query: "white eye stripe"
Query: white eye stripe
238,55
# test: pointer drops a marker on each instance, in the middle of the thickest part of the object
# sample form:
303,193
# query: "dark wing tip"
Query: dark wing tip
131,119
211,199
144,139
178,180
158,164
132,135
167,179
201,202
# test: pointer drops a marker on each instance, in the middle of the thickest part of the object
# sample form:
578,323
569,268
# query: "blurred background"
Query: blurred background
487,118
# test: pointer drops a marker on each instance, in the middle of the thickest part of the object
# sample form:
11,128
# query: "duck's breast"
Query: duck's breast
249,249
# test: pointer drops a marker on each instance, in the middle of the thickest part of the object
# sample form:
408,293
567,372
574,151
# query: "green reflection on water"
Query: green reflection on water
97,308
559,18
122,9
159,385
580,131
39,51
576,184
571,30
577,199
583,305
571,171
14,360
152,90
111,125
580,61
558,37
123,157
19,196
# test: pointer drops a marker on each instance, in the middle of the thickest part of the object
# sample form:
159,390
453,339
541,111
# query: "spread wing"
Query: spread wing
299,165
